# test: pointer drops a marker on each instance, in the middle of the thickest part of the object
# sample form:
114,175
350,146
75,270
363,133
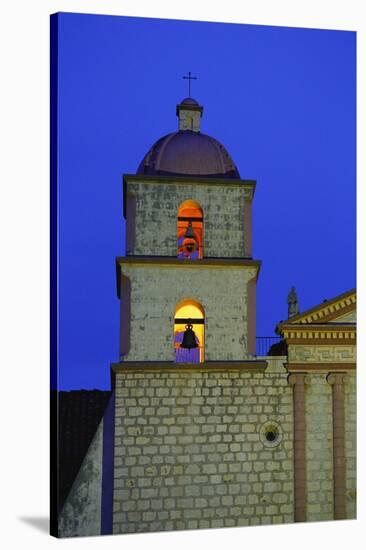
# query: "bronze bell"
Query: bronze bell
190,240
189,338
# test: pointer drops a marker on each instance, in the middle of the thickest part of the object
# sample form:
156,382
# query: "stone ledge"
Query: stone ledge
207,366
320,368
174,261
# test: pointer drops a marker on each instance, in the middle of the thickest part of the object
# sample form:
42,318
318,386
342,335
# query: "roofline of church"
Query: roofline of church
174,261
292,321
172,179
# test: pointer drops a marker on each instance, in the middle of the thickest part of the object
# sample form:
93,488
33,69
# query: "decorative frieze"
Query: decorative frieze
321,354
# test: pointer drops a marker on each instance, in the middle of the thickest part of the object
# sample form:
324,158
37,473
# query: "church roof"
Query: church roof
336,311
188,152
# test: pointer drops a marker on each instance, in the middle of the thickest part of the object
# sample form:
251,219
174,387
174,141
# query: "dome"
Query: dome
189,101
188,153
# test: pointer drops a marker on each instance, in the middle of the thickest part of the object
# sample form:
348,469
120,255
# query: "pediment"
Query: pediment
339,310
349,317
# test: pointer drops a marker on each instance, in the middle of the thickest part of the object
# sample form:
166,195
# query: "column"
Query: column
297,381
339,460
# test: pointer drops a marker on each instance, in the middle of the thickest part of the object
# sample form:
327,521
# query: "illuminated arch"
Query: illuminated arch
189,310
190,213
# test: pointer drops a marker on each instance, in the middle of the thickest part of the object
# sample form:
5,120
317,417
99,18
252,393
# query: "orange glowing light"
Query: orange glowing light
190,211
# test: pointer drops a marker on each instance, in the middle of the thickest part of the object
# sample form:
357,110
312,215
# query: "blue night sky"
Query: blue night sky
281,100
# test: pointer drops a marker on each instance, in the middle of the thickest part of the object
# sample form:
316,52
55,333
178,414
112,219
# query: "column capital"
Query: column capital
337,378
298,378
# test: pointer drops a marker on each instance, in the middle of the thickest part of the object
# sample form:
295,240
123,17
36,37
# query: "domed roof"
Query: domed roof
188,152
189,101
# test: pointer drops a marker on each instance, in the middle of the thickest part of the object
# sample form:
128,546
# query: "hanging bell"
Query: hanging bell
189,338
190,240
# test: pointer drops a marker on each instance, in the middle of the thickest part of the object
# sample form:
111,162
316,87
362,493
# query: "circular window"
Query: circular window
271,434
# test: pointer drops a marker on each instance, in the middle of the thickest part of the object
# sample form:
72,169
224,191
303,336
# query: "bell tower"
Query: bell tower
203,427
187,283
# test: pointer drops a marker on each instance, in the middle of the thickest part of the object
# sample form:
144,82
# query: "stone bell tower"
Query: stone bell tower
188,245
190,424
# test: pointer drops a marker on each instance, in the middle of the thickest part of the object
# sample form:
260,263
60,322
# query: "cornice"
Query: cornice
188,179
174,261
320,367
320,335
128,367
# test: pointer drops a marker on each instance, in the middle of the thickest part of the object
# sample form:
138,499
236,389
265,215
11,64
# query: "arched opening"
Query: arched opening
189,347
190,231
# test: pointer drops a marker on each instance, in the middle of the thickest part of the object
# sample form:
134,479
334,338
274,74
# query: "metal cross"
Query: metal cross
189,78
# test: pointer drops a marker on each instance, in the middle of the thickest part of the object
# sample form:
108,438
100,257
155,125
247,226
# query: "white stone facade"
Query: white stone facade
189,451
156,290
154,207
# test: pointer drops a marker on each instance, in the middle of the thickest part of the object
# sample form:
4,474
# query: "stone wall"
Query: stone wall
155,208
156,290
350,437
81,514
191,451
